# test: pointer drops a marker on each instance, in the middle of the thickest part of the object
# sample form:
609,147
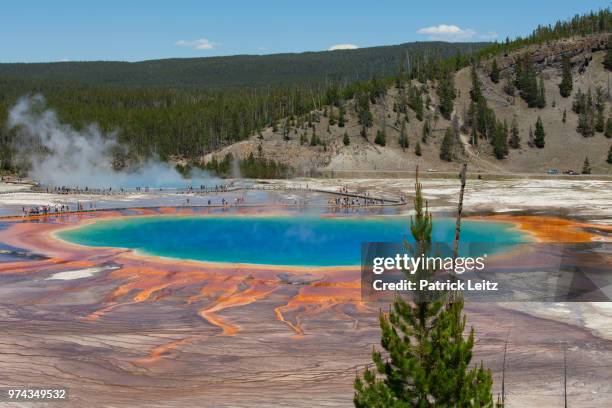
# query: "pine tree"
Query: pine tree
380,138
494,75
583,106
541,99
446,93
346,140
332,116
539,134
362,108
417,148
479,115
609,160
341,113
599,121
608,58
500,140
585,125
403,138
565,87
564,118
446,148
527,82
427,358
531,90
475,92
314,139
364,132
600,107
586,167
474,137
609,127
415,101
425,132
579,102
400,77
509,86
515,139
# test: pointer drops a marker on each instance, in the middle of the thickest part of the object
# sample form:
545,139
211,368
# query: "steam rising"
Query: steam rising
63,156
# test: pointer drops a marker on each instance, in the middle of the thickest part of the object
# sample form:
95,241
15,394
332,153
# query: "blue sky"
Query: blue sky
58,30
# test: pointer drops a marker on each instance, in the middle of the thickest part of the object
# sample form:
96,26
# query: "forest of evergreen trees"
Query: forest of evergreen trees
251,167
162,121
308,68
579,25
188,122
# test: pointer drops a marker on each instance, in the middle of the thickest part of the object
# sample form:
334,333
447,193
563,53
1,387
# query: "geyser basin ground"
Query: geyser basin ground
298,240
195,333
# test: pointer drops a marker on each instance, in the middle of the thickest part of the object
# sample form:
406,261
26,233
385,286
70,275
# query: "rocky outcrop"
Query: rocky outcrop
579,49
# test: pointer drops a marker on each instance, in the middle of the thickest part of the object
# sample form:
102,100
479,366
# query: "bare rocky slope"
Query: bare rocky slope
565,148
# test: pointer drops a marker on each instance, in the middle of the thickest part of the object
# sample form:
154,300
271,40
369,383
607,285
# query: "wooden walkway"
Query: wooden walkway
376,201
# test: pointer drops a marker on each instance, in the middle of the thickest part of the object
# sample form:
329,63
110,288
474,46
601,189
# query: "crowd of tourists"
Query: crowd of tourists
342,199
56,209
221,188
348,199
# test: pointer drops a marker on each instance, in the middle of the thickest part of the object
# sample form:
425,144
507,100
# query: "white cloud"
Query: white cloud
201,44
447,32
342,47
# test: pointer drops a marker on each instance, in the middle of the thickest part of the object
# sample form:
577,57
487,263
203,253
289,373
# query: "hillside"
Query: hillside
564,148
303,112
239,70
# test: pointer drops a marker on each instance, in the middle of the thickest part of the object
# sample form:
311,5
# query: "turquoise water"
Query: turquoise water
274,240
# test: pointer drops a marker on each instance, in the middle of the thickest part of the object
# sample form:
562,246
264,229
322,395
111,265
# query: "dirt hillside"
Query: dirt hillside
565,148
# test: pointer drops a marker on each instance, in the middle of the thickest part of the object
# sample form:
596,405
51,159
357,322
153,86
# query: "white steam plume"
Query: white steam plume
83,158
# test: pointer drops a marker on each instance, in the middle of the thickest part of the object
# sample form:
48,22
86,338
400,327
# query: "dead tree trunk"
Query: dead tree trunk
462,175
565,375
503,393
456,294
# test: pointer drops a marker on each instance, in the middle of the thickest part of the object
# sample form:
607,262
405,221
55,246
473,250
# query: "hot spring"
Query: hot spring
298,240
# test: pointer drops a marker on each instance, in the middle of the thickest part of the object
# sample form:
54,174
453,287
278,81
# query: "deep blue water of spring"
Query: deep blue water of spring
299,240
